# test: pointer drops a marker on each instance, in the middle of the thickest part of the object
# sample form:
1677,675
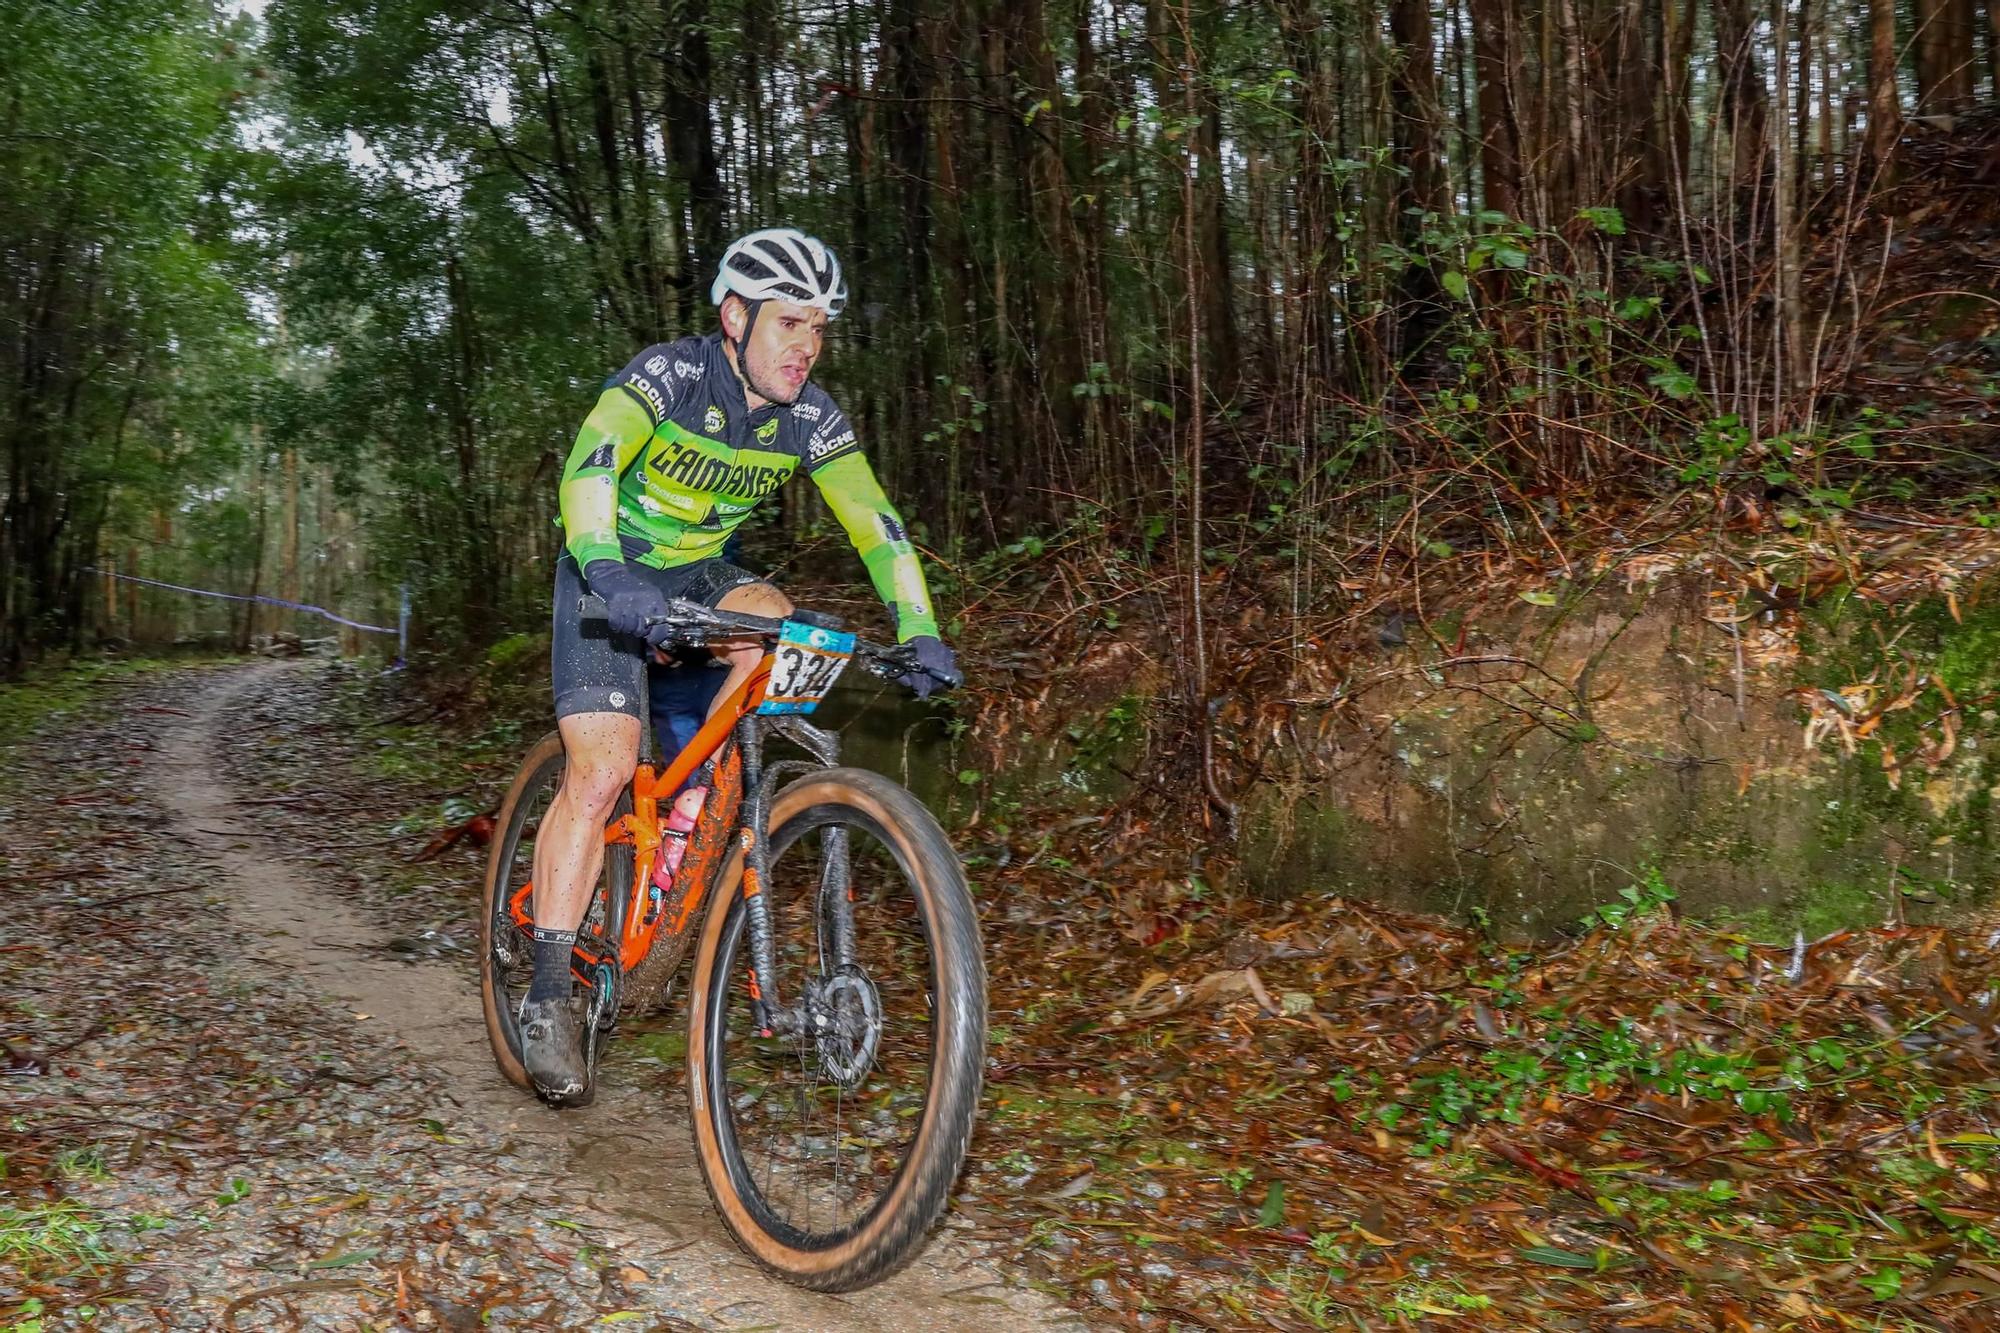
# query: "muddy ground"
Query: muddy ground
267,1099
250,1085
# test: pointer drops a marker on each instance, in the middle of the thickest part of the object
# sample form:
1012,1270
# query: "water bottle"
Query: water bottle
673,843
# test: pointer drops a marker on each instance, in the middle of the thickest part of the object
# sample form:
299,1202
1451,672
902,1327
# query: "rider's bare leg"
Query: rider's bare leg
601,750
743,655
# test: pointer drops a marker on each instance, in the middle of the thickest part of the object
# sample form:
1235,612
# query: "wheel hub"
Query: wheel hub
846,1016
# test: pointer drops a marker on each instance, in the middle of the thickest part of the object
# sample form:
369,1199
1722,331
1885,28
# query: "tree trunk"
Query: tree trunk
689,75
1494,54
1992,43
1885,115
1413,98
1223,370
1638,173
909,116
1745,102
249,629
288,533
1094,140
1315,247
1041,143
1677,25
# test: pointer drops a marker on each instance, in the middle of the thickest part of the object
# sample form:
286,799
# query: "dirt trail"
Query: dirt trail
633,1153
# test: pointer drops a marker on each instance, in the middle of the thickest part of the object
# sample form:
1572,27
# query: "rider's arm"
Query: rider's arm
625,417
877,531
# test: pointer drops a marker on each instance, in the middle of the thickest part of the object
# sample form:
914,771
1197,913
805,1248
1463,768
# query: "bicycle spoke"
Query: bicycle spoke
823,1128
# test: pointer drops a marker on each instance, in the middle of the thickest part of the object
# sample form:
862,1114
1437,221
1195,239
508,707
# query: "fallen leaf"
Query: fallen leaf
1272,1214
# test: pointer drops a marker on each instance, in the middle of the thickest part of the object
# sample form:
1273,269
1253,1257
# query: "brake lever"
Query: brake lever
892,664
681,613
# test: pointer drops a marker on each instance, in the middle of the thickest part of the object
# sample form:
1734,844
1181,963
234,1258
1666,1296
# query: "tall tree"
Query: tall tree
1414,99
1885,118
1745,97
127,354
1495,53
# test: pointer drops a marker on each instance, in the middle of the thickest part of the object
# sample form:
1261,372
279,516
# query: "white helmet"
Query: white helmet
781,264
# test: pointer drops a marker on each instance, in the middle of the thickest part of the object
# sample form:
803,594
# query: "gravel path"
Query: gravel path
262,1114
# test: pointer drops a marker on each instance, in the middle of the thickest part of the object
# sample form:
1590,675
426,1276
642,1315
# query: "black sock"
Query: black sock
552,950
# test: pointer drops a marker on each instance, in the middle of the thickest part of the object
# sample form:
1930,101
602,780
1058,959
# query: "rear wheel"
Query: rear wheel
507,950
830,1156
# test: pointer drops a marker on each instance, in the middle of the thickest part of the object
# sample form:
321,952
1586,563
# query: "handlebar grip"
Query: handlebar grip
589,606
895,663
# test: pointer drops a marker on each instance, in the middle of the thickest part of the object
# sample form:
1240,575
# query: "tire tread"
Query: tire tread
961,965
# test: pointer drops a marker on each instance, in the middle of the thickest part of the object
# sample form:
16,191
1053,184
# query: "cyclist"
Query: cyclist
683,443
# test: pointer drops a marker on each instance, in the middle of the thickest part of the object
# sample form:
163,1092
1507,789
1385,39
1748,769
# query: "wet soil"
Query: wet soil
231,949
459,1201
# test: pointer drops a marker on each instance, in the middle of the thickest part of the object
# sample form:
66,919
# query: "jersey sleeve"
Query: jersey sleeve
877,531
630,409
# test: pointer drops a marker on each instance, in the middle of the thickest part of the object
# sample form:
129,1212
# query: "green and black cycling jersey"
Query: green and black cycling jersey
671,460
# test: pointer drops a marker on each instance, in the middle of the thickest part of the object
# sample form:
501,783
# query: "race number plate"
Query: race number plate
807,661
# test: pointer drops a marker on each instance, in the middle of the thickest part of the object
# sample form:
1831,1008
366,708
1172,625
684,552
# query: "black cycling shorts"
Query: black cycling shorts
596,671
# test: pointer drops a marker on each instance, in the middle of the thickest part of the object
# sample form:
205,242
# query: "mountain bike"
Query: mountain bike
837,1011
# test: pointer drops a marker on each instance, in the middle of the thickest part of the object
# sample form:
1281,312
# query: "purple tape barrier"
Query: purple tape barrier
241,597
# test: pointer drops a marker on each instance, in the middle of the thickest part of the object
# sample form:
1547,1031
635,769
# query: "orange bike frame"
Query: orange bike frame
641,828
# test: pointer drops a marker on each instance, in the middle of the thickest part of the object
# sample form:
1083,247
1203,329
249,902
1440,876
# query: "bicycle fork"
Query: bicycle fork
834,912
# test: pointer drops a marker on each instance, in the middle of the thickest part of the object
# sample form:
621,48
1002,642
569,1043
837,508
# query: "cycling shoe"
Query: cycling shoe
552,1049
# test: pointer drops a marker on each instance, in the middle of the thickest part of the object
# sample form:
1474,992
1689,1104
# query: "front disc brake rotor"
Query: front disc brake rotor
848,1022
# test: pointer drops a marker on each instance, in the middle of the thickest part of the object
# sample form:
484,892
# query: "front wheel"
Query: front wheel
830,1156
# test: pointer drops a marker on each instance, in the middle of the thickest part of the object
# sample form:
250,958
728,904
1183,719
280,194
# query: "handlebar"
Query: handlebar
696,625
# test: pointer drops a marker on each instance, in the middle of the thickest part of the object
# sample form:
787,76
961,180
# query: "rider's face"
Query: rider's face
784,344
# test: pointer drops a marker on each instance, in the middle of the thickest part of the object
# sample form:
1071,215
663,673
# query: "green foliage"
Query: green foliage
132,356
1107,738
514,649
1635,901
1605,219
53,1237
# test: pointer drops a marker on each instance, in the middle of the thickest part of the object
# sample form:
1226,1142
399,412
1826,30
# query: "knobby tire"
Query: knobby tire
892,1230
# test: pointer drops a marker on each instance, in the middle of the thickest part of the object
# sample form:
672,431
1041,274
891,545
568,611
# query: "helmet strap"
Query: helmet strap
750,309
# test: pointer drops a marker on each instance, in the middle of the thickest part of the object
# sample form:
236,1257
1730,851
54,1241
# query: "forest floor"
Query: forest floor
246,1084
224,1111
